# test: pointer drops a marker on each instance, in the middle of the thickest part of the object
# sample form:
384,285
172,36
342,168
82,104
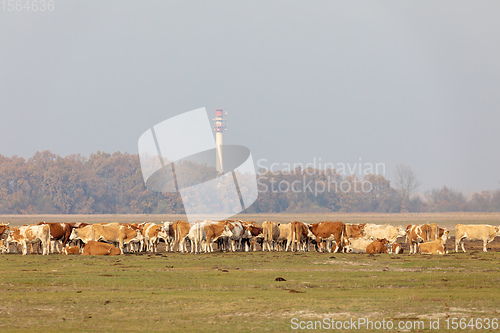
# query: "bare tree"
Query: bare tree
406,181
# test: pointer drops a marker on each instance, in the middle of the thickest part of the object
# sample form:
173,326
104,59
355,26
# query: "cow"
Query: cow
271,233
150,234
59,234
300,236
234,240
215,231
111,232
252,236
483,232
389,232
328,232
198,236
181,231
4,248
355,231
432,247
357,245
4,229
71,250
377,246
93,248
395,248
284,241
167,234
115,233
416,234
84,234
30,234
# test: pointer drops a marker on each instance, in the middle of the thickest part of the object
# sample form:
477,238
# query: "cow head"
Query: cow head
446,235
401,232
73,235
497,230
227,232
383,241
347,245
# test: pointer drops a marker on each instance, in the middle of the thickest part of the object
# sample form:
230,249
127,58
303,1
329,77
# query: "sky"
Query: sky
392,82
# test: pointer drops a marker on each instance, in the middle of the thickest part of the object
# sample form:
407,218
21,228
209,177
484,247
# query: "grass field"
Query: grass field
239,292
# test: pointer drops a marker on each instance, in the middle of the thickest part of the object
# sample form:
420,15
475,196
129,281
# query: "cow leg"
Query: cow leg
25,247
462,243
485,242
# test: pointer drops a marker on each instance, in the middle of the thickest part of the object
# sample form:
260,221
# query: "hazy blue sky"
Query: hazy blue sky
414,82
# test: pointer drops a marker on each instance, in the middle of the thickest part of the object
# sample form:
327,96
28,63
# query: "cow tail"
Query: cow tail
342,239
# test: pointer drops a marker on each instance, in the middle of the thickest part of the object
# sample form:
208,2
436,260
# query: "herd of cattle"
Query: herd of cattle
233,235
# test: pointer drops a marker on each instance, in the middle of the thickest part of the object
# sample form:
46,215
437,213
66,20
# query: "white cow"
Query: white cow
357,245
483,232
285,237
389,232
198,237
30,234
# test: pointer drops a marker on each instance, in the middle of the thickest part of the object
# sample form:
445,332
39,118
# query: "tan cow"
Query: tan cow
432,247
327,233
300,236
377,246
93,248
71,250
271,233
215,231
31,234
483,232
84,234
115,233
181,231
424,233
285,238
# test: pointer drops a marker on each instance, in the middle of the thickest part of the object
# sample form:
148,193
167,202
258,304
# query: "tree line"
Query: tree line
104,183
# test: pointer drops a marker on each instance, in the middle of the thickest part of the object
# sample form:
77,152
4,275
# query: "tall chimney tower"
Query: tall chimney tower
219,126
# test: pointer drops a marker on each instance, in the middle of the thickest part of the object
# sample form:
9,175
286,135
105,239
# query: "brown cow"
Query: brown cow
355,231
377,246
396,248
4,229
93,248
328,232
58,232
71,250
253,232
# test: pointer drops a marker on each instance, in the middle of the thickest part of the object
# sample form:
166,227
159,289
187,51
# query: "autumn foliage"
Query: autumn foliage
105,183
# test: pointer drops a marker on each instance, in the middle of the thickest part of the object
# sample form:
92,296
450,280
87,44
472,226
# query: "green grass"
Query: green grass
238,291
